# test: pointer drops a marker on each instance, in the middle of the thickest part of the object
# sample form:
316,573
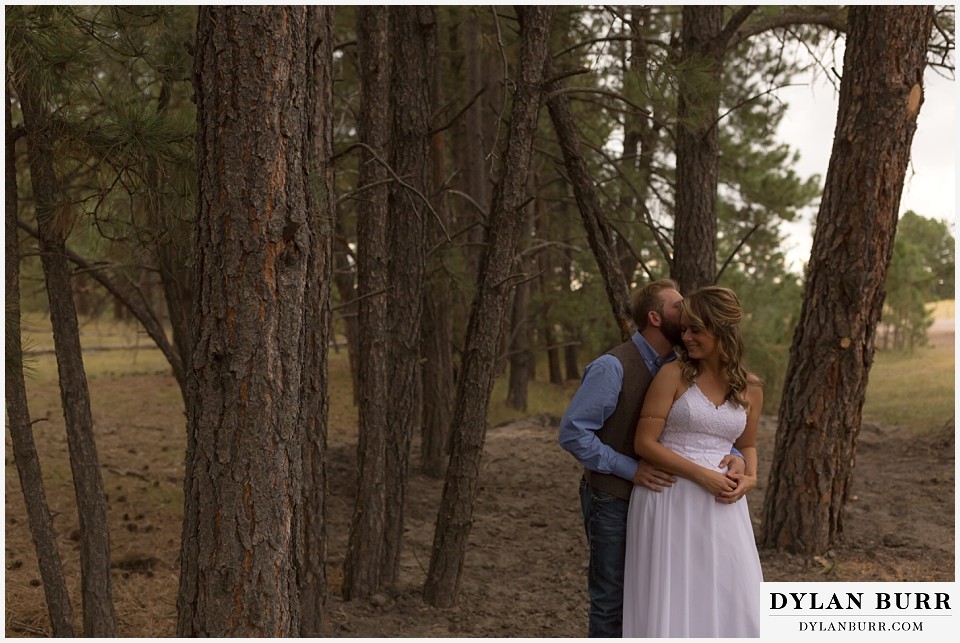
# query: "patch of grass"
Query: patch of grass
914,390
131,351
343,415
542,397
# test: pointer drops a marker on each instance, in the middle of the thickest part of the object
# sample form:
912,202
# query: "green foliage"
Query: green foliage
771,305
45,48
117,84
921,271
114,86
935,243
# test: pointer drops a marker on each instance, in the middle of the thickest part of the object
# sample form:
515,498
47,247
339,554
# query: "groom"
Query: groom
598,428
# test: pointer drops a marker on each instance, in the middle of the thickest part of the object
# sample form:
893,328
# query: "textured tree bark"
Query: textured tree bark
59,609
312,549
481,79
519,351
639,139
177,278
244,479
99,616
493,288
362,569
832,350
695,220
411,31
545,282
599,234
439,388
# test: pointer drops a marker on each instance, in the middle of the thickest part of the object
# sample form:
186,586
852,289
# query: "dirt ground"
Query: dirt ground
525,571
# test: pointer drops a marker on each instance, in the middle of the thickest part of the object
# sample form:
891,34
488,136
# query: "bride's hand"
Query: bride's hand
716,483
744,484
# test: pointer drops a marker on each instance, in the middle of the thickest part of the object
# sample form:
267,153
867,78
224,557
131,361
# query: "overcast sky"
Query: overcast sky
930,186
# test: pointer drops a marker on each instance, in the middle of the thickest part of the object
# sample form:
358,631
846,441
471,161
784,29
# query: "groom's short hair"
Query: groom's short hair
647,299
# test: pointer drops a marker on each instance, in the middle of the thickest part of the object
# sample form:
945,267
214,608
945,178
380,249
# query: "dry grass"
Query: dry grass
942,309
913,390
916,390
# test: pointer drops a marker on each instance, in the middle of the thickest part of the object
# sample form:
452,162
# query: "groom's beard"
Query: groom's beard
671,330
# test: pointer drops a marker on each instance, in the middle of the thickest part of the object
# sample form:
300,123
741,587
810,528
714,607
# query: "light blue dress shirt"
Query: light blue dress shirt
593,403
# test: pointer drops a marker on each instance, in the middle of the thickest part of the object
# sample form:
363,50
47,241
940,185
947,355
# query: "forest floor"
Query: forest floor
525,569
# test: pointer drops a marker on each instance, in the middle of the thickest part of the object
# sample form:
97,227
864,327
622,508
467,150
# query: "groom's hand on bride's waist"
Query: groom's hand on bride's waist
652,478
733,463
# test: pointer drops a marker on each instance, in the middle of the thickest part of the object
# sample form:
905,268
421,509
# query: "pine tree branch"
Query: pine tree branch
456,116
831,20
736,21
595,90
736,250
565,75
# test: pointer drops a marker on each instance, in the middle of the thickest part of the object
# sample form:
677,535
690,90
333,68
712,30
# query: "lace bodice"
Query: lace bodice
699,431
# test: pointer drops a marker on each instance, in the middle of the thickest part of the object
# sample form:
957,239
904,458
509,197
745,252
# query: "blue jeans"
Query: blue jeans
605,522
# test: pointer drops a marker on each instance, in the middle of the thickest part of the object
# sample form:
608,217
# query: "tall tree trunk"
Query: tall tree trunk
570,358
697,149
599,234
473,393
99,616
244,479
413,34
314,409
480,81
643,128
362,568
177,277
519,346
633,61
176,272
439,390
832,350
521,331
545,266
553,353
25,455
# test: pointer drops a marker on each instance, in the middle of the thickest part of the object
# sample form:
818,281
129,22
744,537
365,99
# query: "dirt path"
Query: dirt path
525,572
526,564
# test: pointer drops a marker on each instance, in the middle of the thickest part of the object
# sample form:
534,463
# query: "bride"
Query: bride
692,568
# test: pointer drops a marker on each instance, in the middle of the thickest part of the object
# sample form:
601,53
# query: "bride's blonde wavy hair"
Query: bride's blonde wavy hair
717,309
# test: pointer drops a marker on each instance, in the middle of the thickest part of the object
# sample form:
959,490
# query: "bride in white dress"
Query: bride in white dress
692,568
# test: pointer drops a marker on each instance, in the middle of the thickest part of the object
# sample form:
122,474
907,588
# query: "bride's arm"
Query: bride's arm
656,405
746,444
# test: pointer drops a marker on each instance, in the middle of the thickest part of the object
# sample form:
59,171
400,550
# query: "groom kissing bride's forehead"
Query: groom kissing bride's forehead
651,469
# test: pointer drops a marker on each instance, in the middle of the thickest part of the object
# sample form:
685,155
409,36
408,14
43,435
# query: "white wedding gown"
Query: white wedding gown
692,568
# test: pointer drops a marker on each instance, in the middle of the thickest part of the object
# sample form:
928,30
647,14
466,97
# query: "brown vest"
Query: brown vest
620,427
